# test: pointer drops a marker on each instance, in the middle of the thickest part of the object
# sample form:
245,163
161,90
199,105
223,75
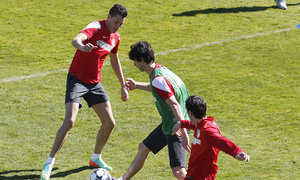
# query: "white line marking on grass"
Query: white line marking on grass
32,76
159,53
220,42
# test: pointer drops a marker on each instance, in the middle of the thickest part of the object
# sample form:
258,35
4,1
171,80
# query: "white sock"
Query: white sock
96,156
121,178
50,160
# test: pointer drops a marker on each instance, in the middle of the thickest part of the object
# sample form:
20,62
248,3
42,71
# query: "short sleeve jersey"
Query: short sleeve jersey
205,148
87,66
164,84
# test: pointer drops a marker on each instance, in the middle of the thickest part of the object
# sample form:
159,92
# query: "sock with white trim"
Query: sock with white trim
50,160
96,156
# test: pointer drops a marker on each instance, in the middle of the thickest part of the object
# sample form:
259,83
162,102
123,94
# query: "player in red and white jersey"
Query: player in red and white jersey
206,143
94,43
86,66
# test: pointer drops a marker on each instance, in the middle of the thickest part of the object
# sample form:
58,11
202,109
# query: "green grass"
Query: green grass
251,85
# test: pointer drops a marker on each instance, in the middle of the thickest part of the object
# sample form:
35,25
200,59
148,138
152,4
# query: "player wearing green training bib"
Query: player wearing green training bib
166,81
169,93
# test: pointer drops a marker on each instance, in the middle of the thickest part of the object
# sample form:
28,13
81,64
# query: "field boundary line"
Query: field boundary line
197,46
32,76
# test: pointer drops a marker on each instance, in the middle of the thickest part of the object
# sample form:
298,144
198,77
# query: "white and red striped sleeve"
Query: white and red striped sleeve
91,29
163,87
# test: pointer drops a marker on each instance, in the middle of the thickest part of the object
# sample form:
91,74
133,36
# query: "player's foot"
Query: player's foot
281,4
45,174
99,163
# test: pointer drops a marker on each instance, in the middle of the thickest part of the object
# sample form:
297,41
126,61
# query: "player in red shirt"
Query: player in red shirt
206,143
94,43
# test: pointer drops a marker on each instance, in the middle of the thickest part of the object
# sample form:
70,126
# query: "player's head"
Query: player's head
196,105
118,9
142,51
116,18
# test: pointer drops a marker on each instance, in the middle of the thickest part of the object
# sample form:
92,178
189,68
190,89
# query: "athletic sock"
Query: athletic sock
121,178
96,156
50,160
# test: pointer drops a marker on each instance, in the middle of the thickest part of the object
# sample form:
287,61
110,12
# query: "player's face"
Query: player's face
139,65
113,24
192,118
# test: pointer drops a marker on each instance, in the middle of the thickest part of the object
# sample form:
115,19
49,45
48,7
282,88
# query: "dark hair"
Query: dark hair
197,105
118,9
142,51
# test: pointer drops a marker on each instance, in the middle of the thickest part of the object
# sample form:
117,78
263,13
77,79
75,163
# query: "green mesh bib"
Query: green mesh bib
181,94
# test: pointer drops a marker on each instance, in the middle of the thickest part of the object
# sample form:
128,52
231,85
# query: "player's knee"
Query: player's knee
68,124
143,149
179,173
109,124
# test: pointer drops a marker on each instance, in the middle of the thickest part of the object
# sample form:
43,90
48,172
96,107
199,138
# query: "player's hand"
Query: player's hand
185,140
88,47
176,129
124,94
130,84
242,157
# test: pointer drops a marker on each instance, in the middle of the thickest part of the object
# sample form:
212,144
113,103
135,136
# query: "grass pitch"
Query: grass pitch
241,56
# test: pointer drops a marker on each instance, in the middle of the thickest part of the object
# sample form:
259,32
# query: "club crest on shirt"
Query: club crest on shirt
105,45
196,141
72,95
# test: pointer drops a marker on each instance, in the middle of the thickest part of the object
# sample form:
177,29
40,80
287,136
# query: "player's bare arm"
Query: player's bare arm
78,43
116,65
132,85
176,109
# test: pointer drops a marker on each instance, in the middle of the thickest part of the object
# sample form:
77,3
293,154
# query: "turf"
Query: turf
242,57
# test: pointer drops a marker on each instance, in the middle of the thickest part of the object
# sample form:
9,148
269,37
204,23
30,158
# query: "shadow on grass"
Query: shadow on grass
230,10
5,175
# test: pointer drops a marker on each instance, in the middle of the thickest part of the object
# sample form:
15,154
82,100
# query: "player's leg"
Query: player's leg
61,136
138,162
179,172
75,89
155,141
177,156
104,112
98,99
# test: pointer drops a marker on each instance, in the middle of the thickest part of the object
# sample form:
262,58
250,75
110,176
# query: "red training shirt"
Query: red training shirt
87,66
205,148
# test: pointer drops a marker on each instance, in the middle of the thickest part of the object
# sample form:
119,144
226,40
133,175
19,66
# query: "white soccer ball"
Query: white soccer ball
100,174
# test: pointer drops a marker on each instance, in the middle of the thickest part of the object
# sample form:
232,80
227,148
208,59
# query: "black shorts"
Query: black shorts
92,93
157,140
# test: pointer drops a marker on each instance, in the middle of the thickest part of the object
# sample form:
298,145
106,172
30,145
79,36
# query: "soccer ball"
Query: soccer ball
100,174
